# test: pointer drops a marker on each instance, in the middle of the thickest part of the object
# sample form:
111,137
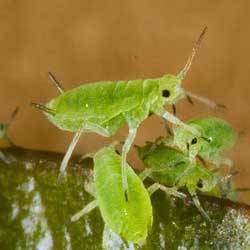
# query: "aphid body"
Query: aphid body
171,167
131,219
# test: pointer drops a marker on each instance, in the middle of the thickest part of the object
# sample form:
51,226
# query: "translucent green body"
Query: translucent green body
103,107
173,168
130,219
217,136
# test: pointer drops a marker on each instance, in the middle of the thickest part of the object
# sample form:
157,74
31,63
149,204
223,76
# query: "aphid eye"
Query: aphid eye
200,183
165,93
194,141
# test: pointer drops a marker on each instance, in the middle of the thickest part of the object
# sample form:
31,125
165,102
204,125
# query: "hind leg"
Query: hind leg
169,191
87,209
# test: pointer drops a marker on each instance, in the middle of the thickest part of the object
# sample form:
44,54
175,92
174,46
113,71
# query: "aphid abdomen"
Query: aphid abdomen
95,102
130,219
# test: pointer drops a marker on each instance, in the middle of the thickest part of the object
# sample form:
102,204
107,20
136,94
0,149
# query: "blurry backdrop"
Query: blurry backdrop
84,41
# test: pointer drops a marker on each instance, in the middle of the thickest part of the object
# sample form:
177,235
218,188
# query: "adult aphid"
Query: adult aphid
216,137
104,107
172,168
5,125
131,219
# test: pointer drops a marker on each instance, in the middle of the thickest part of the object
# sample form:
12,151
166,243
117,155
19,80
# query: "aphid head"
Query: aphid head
170,89
203,179
187,142
206,183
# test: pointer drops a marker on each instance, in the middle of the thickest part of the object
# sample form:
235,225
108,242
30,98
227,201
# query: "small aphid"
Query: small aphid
5,125
216,137
172,168
131,219
104,107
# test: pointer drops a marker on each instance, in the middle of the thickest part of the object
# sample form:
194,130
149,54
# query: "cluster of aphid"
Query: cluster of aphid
177,161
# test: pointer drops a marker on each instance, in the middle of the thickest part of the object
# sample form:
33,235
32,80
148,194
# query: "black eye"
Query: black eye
200,183
194,141
165,93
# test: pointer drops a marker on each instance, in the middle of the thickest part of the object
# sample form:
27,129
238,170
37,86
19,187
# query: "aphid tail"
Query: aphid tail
183,73
43,108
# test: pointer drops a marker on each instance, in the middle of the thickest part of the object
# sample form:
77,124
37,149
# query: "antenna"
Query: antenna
43,108
183,73
56,82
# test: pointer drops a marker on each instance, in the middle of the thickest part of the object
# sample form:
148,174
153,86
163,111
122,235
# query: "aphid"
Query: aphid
5,125
216,137
104,107
130,219
171,167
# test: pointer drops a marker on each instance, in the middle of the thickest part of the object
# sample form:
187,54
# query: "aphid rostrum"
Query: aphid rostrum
216,137
172,168
130,219
104,107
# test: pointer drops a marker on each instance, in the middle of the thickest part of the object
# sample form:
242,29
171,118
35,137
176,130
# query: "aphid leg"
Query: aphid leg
145,173
199,207
169,191
13,115
12,144
229,163
88,208
202,161
189,99
125,149
174,109
69,153
173,119
4,158
56,82
168,129
205,100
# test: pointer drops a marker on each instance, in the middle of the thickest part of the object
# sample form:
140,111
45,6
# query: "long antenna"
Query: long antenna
43,108
56,82
183,73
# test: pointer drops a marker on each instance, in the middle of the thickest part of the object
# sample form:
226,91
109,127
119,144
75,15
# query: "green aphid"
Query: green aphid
4,126
217,136
106,106
131,219
172,168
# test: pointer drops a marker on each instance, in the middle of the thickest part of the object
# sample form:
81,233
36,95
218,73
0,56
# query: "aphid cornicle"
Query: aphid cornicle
131,220
172,168
104,107
216,137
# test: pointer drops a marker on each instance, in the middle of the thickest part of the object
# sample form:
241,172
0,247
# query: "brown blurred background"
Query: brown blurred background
84,41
